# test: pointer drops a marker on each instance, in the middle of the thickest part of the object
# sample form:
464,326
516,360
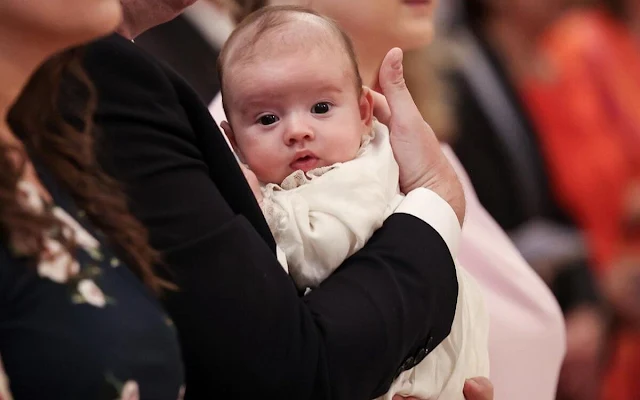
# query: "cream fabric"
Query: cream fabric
527,335
463,354
320,218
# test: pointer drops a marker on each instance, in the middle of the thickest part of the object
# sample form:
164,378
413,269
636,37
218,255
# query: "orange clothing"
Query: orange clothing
587,115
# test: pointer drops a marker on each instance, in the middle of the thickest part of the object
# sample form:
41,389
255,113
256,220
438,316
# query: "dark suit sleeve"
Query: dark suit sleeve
574,286
244,330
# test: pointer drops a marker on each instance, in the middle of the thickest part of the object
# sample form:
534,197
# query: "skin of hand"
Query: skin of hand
621,287
474,389
415,146
581,372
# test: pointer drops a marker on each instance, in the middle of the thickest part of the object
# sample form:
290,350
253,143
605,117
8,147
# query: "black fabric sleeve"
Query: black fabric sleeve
574,286
244,330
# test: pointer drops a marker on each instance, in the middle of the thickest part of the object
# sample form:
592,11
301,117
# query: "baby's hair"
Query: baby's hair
268,19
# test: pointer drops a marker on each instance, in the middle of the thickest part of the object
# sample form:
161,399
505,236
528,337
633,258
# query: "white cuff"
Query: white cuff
434,210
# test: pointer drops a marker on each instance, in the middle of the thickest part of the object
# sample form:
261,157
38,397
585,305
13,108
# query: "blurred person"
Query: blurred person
523,314
323,170
592,147
498,141
238,315
190,44
78,316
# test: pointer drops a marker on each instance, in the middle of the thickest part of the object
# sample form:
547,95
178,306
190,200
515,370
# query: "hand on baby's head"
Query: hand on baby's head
415,146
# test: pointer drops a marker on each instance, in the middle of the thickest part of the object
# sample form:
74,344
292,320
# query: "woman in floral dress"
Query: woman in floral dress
75,322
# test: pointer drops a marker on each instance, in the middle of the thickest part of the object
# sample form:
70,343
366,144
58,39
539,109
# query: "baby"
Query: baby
323,169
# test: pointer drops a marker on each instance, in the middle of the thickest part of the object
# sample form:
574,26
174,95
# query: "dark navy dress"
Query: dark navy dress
81,327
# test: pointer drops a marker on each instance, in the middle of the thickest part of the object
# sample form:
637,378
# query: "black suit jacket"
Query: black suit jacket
490,163
245,331
183,47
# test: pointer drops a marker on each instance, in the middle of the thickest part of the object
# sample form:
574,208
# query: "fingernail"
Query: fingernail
397,64
473,383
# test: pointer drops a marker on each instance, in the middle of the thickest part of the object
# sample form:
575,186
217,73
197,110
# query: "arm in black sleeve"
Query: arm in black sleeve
244,330
574,286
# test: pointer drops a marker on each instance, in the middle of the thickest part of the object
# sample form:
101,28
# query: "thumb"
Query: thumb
394,87
478,388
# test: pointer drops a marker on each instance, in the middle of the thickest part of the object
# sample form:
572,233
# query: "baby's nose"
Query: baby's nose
298,131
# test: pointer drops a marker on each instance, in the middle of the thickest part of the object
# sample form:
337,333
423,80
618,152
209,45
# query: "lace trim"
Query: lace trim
276,216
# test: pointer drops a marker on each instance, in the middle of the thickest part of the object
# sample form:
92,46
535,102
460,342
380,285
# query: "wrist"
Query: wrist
443,180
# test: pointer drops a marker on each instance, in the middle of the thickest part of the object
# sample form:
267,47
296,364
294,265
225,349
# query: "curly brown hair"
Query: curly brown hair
66,148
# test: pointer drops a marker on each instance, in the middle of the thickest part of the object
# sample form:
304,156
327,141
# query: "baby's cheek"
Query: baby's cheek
351,147
257,164
266,167
256,153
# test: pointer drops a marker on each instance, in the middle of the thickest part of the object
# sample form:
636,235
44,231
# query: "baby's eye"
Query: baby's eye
321,108
268,119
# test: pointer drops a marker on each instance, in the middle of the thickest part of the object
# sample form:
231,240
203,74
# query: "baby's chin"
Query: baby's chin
289,170
275,179
281,178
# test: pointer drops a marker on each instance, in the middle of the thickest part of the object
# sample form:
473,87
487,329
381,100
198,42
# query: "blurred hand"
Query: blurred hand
631,211
415,146
474,389
621,287
580,377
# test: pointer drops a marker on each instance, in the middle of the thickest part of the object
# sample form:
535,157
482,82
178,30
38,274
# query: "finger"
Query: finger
381,108
395,89
478,389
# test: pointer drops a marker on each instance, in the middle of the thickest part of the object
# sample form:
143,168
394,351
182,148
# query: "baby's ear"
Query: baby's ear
228,132
366,106
231,137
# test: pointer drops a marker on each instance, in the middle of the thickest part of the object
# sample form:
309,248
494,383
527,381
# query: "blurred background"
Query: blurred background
540,100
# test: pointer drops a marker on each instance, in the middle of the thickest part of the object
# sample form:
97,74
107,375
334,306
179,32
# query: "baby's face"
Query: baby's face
296,110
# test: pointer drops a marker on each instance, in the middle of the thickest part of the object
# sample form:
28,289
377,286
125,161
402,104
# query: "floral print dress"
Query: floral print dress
81,326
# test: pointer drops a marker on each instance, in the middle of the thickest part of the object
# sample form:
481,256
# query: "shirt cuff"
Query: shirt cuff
434,210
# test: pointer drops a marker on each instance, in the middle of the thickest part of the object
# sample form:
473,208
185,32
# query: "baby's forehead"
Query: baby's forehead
295,35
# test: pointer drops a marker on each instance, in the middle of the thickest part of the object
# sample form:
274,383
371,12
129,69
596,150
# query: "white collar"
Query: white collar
213,24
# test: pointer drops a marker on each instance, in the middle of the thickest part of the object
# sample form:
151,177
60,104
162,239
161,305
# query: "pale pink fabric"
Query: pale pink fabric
526,337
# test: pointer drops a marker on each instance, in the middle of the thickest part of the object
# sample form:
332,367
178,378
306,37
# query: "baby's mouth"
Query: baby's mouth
305,163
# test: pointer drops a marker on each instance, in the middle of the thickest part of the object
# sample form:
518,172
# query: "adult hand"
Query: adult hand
631,211
474,389
415,146
621,287
581,374
478,389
